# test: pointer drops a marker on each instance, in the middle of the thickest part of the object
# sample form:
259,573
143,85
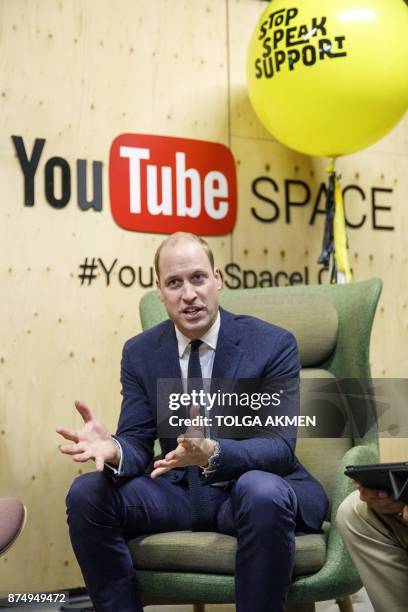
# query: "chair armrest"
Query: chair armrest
338,576
343,486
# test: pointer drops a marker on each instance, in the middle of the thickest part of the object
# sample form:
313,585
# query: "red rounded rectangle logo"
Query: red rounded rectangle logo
161,184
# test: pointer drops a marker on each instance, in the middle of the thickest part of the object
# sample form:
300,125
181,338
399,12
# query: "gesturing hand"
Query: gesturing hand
92,441
189,451
192,449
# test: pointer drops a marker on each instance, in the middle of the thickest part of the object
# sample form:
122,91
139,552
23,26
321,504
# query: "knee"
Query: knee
265,495
87,491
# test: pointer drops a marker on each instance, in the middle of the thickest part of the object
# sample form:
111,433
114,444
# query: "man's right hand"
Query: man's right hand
382,502
92,441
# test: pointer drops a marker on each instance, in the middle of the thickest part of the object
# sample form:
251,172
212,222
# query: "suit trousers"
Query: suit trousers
378,545
259,508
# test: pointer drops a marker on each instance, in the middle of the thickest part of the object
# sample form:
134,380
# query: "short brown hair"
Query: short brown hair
177,237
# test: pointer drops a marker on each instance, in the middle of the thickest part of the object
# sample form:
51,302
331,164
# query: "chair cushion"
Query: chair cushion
311,318
215,552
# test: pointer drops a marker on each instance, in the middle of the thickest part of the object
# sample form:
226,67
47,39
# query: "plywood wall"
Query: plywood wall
79,73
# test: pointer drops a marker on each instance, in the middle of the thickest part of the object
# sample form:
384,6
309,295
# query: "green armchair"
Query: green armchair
332,324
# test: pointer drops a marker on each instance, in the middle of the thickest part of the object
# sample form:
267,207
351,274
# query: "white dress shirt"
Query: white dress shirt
206,351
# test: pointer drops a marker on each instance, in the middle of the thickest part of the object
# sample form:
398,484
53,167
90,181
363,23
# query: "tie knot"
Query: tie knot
195,345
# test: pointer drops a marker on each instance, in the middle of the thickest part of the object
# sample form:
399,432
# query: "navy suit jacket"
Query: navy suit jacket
247,348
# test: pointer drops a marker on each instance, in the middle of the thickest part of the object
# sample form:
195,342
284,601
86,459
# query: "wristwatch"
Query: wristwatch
213,460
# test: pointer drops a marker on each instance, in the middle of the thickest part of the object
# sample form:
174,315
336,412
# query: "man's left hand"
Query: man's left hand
189,451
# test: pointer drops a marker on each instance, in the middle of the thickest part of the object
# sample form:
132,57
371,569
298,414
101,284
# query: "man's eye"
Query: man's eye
199,277
174,282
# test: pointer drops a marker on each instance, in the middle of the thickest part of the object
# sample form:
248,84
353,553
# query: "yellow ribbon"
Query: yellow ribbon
341,255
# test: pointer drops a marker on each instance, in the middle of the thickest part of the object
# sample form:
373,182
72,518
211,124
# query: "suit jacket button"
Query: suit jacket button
174,478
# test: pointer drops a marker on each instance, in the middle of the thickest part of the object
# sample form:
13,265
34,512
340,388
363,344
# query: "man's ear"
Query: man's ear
159,291
218,279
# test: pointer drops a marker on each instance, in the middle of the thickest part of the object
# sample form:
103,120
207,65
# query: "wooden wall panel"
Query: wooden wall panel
79,74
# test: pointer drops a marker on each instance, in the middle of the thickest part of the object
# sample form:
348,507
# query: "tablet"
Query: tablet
390,477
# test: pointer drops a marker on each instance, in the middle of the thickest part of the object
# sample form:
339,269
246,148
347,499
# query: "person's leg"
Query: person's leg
378,547
261,512
103,515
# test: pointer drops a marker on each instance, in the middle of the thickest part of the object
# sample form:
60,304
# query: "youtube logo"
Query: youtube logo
162,184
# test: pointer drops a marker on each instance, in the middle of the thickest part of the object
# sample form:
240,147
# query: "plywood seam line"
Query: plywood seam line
228,58
228,72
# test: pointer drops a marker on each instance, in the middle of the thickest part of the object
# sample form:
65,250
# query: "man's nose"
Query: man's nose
189,293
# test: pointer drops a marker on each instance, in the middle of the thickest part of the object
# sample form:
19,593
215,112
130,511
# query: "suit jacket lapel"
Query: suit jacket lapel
227,359
167,361
166,364
228,353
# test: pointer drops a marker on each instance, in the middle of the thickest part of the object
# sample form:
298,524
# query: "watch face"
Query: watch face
212,461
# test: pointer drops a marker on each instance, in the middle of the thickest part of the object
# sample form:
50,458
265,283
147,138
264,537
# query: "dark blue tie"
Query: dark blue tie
200,498
194,373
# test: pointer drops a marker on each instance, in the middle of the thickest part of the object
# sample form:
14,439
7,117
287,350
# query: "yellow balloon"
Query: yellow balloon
329,77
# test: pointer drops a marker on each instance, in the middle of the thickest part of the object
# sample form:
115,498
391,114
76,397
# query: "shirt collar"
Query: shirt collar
210,337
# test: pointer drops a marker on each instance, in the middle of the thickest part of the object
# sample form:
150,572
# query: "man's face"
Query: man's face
189,287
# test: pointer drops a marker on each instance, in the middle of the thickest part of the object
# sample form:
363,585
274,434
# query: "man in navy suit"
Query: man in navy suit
254,489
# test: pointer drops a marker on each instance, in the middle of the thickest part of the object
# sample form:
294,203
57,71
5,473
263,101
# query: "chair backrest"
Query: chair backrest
312,319
332,325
